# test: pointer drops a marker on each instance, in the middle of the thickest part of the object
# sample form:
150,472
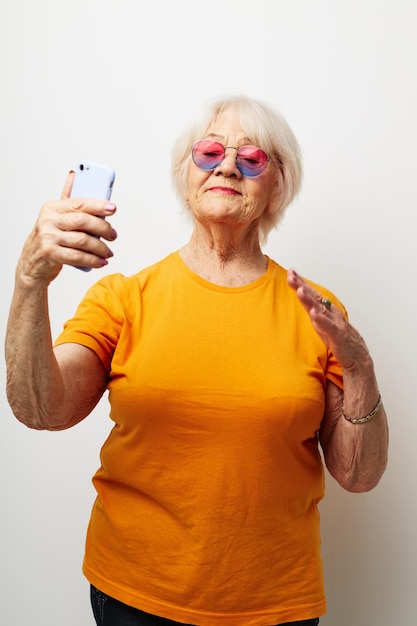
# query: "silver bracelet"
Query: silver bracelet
362,420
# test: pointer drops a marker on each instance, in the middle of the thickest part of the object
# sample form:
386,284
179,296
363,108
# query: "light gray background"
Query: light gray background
116,81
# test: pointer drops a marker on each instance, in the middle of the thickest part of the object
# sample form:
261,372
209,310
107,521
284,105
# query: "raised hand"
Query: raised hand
331,324
68,231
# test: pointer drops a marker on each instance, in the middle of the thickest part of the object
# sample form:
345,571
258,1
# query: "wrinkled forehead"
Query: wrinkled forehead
232,120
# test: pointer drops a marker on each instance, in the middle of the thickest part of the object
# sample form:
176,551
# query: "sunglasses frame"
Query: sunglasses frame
238,165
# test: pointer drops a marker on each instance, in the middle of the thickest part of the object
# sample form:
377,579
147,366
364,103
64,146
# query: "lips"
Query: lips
226,191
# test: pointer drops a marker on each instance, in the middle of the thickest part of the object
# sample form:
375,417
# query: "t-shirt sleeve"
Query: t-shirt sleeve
334,371
98,320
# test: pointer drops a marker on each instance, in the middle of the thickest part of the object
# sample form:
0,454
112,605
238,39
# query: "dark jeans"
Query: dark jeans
110,612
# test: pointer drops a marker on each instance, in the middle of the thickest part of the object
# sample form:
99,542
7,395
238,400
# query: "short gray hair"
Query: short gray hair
268,129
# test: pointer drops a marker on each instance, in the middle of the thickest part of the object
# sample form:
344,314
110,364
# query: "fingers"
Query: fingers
91,253
73,232
329,322
70,231
327,303
66,192
100,208
84,242
313,301
103,208
81,215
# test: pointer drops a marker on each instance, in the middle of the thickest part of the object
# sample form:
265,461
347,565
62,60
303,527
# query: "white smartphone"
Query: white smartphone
92,180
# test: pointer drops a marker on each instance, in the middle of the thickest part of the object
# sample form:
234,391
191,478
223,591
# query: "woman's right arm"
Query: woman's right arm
51,388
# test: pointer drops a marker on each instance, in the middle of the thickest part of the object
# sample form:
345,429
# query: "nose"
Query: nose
228,166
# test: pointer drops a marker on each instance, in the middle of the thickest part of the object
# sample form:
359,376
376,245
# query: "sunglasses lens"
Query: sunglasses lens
207,154
251,161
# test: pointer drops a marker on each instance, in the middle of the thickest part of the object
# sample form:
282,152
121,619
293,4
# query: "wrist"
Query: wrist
360,368
364,418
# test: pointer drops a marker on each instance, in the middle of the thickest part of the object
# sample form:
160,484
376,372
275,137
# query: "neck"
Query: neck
225,256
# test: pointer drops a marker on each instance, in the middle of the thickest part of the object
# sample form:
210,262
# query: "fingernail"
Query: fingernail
109,207
113,235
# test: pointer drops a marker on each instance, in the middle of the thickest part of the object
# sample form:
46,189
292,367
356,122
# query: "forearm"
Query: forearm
35,388
356,453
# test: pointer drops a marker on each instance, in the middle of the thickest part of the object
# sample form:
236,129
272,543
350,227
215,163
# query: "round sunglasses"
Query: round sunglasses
251,161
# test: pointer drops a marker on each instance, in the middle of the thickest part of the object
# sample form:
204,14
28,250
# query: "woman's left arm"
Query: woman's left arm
355,451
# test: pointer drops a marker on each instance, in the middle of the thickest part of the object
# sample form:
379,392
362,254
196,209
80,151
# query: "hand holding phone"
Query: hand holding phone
92,180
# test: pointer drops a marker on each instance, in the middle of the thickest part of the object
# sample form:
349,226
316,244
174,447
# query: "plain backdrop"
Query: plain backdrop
116,81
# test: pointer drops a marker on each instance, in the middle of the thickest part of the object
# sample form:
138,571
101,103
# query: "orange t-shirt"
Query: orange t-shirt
209,482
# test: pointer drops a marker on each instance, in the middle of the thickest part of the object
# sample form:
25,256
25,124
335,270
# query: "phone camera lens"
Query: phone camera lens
81,167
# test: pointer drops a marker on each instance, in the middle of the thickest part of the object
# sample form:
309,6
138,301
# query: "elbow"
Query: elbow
30,419
36,422
358,485
359,479
22,409
22,413
29,416
31,412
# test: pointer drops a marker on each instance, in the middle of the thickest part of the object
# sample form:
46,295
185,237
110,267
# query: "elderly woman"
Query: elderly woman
225,372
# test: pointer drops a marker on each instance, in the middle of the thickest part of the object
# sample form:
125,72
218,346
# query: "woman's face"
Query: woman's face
224,195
